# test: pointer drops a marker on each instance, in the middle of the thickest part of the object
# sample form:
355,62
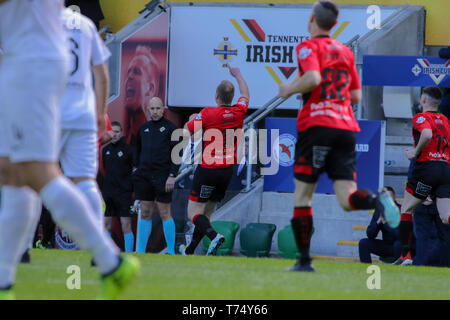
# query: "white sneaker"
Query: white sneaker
182,249
407,262
215,244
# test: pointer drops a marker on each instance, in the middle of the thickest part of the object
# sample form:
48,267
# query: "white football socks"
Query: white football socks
17,217
35,218
92,193
72,212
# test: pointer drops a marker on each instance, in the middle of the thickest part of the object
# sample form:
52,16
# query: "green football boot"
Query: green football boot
115,283
7,295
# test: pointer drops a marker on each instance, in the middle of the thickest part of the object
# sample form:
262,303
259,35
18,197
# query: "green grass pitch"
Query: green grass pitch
164,277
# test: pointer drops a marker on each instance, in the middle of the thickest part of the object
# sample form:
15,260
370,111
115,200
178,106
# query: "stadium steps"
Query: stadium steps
347,248
331,223
358,232
396,164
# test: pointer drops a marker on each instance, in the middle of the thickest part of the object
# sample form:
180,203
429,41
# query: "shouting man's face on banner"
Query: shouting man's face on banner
142,80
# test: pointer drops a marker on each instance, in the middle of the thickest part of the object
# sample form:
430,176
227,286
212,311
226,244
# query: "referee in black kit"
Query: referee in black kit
117,190
154,178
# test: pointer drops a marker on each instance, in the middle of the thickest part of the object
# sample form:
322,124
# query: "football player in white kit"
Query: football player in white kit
33,75
82,109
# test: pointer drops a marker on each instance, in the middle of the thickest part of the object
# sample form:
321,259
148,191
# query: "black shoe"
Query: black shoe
26,257
302,267
93,264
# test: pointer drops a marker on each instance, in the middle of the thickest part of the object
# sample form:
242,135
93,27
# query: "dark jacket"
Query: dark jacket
118,161
154,149
388,234
444,107
444,53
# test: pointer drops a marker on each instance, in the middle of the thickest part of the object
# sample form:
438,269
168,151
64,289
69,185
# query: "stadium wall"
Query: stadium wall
402,36
119,13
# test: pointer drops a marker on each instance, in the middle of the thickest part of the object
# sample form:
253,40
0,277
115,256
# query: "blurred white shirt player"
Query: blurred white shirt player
33,74
82,107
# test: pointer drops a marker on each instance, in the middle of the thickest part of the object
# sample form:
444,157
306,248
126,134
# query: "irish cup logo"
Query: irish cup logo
437,72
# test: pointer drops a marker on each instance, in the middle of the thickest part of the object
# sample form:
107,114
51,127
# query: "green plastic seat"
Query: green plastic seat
226,228
287,247
256,239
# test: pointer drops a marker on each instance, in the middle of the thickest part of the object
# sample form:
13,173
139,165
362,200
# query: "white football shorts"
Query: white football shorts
79,153
30,95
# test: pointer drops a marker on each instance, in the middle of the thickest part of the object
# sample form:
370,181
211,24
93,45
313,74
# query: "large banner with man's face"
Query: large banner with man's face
261,41
142,75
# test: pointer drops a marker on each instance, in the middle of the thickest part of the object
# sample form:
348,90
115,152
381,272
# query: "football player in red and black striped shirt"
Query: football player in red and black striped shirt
213,175
327,128
431,174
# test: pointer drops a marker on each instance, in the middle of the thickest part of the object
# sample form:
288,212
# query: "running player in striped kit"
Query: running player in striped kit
431,173
327,128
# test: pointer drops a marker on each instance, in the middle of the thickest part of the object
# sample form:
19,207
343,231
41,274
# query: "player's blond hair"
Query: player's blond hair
225,92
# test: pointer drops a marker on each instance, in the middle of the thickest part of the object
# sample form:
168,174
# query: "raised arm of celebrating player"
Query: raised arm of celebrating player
243,88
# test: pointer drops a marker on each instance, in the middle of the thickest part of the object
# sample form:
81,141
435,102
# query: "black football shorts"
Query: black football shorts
430,178
151,188
323,149
119,205
210,184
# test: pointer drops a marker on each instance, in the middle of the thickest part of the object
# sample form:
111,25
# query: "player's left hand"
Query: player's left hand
284,90
170,183
427,201
410,153
134,209
381,220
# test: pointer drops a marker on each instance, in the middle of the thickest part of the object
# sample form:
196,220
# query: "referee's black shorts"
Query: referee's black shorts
118,205
151,188
430,178
323,149
210,184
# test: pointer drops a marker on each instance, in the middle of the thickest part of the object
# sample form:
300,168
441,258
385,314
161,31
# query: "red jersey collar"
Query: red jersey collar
322,36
